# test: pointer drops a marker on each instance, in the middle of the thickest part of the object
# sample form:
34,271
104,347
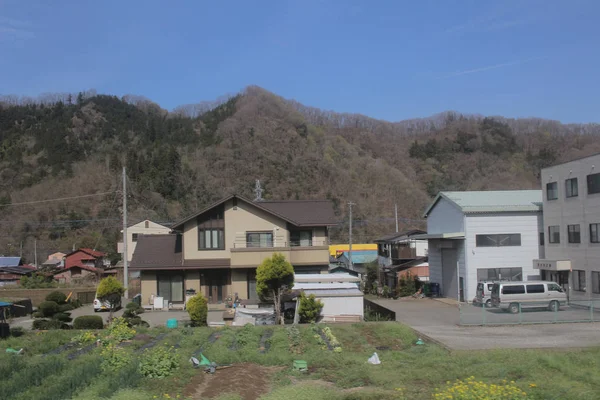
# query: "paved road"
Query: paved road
440,322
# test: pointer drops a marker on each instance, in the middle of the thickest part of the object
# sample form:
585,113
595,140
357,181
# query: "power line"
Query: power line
59,199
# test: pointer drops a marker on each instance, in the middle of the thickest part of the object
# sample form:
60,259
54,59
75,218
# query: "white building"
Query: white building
142,228
572,227
485,235
340,294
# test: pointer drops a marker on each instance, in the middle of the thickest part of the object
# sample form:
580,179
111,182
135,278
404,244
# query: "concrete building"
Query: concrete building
216,251
485,235
572,227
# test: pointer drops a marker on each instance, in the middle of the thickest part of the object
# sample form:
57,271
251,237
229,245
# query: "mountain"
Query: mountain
74,147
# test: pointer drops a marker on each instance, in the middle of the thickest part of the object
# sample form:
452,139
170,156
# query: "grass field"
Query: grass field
262,369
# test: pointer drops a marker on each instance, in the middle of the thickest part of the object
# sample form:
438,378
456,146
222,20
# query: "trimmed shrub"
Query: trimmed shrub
88,322
17,331
197,308
37,314
137,321
47,324
310,308
63,317
131,305
48,308
75,303
57,297
65,307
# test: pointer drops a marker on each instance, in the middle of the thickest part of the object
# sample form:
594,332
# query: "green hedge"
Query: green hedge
88,322
57,297
64,317
65,307
47,324
48,308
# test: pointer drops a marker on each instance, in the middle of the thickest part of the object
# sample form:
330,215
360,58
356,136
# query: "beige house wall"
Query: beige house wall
148,285
239,283
244,218
192,281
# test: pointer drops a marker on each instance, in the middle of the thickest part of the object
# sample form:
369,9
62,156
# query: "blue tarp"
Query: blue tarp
362,256
5,304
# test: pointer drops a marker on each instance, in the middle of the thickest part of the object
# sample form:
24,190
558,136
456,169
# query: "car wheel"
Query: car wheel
513,308
488,303
554,306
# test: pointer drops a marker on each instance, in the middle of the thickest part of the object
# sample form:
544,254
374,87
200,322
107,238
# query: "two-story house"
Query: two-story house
572,226
482,235
83,264
217,250
145,227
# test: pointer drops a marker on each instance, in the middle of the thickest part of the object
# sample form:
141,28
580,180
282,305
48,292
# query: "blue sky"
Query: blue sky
387,59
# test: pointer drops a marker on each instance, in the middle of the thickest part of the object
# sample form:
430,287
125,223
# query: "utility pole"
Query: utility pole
396,214
125,270
35,252
350,204
21,250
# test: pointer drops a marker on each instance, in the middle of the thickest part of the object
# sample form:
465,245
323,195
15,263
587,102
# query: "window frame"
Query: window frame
574,236
577,275
134,237
512,237
595,185
597,239
541,237
259,242
555,190
596,282
550,237
483,274
569,192
220,239
296,237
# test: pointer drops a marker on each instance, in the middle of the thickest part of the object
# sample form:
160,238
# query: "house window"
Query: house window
170,287
552,191
571,188
259,239
501,240
211,239
496,274
146,224
595,282
554,234
574,233
541,238
578,277
593,183
594,233
211,230
301,238
134,237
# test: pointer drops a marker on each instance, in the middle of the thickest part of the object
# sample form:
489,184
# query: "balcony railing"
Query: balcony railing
279,244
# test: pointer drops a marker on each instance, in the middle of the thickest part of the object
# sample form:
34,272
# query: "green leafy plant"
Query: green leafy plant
57,297
110,290
274,277
119,330
372,270
37,281
471,389
159,362
197,308
333,341
37,314
310,308
85,337
48,308
47,324
114,357
88,322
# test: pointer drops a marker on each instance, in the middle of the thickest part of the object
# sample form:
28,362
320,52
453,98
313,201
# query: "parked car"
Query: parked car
483,294
513,296
104,305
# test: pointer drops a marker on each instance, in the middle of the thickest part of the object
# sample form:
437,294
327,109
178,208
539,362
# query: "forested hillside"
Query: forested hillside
177,162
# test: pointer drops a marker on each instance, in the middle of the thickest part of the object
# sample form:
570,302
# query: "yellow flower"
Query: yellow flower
532,385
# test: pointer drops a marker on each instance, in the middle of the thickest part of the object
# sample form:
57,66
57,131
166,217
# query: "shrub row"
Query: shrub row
88,322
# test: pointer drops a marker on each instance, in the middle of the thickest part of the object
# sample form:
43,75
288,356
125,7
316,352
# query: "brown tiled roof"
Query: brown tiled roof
296,212
157,251
302,212
400,235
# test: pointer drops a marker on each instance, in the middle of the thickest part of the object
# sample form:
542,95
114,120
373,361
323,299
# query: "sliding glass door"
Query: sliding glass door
170,287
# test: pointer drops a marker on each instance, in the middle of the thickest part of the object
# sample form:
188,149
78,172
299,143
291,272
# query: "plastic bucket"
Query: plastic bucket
172,323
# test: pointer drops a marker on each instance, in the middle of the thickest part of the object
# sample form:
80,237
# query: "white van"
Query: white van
513,296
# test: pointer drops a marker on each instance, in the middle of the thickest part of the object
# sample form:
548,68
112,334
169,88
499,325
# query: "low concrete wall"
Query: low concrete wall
85,295
376,308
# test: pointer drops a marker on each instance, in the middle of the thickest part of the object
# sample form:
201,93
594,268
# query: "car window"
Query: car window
538,288
496,289
513,289
490,286
479,287
554,287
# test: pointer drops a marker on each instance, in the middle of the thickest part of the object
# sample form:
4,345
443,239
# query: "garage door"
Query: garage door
449,281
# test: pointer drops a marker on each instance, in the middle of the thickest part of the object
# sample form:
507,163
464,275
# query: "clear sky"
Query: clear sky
387,59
